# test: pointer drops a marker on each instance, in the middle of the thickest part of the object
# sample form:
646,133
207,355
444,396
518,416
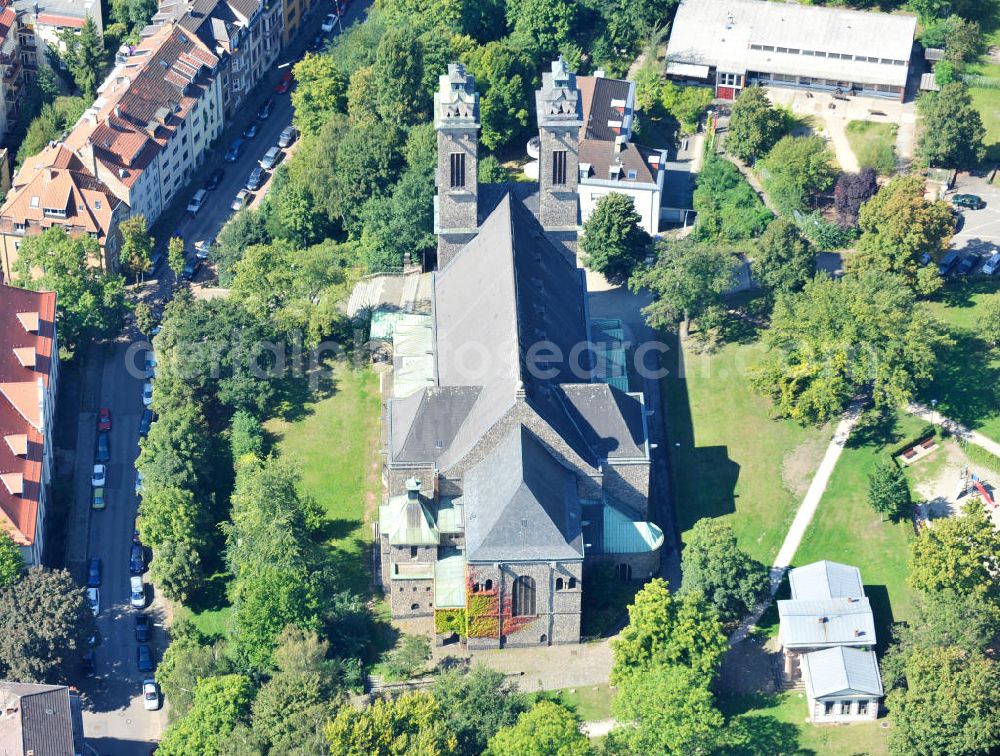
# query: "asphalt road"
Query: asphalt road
115,723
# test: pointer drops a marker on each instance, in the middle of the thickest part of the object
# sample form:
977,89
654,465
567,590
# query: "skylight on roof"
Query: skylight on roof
34,202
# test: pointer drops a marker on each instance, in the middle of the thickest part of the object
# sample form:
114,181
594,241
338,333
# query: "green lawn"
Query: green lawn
211,622
846,529
729,458
591,703
874,145
333,442
987,102
786,713
967,384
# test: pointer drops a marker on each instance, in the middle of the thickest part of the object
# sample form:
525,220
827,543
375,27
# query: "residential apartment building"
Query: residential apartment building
40,720
154,119
828,640
18,63
244,34
45,20
510,464
29,377
55,188
609,161
732,44
294,11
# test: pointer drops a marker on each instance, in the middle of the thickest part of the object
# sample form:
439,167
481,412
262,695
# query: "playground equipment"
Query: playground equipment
972,484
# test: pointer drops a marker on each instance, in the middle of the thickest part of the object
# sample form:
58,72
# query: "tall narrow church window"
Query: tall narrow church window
559,167
457,170
523,597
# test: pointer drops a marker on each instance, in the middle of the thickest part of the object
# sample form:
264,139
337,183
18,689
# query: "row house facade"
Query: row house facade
29,377
153,121
244,34
54,188
46,20
18,63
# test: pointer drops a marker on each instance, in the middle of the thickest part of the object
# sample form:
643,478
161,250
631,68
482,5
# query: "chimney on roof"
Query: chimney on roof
619,144
118,110
412,489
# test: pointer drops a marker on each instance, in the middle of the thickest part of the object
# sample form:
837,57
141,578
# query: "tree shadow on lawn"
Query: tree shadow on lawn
878,597
961,293
213,595
295,394
965,385
350,561
753,734
875,429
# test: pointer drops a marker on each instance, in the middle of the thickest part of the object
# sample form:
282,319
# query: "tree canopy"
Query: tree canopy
614,242
951,133
11,561
547,729
220,703
837,339
90,303
783,261
665,628
755,125
796,170
476,704
888,491
411,723
713,564
851,192
728,208
320,89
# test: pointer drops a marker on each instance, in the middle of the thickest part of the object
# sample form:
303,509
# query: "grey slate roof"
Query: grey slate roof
841,672
825,580
832,622
611,420
600,111
423,425
521,504
42,722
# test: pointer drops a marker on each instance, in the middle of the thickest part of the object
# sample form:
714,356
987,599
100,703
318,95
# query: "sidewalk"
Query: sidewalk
803,517
955,428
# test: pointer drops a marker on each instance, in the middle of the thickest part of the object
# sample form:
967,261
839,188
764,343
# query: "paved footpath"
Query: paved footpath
955,428
803,517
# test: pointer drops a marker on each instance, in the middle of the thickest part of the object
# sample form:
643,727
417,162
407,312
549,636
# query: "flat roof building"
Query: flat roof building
732,44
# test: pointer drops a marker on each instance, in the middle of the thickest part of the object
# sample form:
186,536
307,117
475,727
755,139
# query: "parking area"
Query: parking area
979,230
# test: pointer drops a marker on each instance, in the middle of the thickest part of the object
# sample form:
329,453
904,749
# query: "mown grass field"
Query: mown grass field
333,443
729,458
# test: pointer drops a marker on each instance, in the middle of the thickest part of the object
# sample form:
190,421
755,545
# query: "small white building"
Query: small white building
732,44
609,161
828,640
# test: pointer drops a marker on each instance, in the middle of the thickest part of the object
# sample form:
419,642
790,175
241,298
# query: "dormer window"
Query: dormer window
18,444
54,212
14,483
29,321
26,356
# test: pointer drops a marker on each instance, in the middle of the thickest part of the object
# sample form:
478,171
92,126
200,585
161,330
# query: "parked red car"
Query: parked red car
104,419
285,83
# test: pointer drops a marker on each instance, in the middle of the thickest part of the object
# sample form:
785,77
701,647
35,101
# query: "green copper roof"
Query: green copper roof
608,336
449,580
407,522
625,536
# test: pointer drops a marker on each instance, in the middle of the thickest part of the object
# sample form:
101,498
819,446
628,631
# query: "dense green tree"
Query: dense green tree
246,228
728,208
90,302
176,570
475,704
836,339
220,703
44,624
133,14
362,107
755,125
246,436
782,259
665,628
190,657
56,115
368,162
546,729
176,256
399,226
796,171
11,561
964,43
727,576
944,702
687,279
988,320
399,69
83,54
686,104
320,89
504,79
898,227
542,26
670,710
951,133
136,252
292,214
614,242
484,20
411,723
145,320
491,171
961,553
888,491
945,618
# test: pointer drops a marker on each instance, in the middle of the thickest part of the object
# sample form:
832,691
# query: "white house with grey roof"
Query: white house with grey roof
511,459
828,640
732,44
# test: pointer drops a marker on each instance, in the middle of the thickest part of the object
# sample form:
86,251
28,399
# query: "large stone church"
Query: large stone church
511,464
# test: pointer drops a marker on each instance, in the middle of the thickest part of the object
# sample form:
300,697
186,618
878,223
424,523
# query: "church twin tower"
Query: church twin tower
459,208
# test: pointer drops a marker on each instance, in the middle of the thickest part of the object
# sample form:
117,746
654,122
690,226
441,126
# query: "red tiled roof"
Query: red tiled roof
55,19
20,419
7,18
